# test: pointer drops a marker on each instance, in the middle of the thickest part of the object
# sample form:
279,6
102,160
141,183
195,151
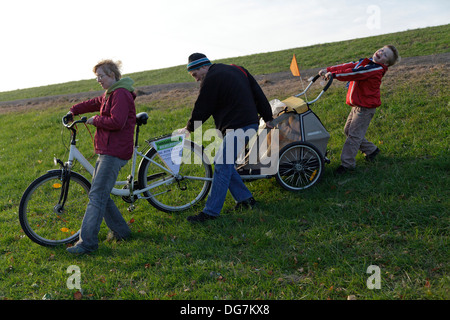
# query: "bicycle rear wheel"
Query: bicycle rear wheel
176,193
41,216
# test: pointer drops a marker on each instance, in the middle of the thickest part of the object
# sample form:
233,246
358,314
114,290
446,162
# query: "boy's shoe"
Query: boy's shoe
371,157
246,204
77,250
201,217
341,170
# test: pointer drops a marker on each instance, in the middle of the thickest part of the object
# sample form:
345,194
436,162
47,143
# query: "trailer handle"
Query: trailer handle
330,81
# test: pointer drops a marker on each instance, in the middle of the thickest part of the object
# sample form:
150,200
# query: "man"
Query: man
231,95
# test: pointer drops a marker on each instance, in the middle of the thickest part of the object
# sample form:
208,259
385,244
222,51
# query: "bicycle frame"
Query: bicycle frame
75,154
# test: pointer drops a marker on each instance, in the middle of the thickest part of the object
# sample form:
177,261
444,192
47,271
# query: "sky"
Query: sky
55,41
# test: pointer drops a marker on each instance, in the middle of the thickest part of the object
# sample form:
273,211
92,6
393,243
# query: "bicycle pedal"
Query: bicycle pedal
131,208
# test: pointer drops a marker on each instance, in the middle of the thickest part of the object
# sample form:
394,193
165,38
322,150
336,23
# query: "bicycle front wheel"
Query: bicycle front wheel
42,217
176,193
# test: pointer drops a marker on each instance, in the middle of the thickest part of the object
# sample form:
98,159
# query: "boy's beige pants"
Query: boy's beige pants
355,129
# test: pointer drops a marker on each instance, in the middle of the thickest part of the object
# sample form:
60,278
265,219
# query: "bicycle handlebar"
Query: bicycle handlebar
66,122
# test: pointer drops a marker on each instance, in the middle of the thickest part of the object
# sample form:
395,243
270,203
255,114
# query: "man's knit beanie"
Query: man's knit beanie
196,61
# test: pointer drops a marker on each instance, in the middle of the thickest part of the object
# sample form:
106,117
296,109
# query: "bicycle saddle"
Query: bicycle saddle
141,118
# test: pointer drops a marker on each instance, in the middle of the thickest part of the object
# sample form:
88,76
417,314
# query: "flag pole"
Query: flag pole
296,72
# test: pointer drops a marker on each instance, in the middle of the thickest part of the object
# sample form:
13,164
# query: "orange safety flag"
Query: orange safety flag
294,67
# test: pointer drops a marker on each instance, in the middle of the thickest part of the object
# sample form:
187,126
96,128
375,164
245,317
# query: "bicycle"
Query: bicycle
52,207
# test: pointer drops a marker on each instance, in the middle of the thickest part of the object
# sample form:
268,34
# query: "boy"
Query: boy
364,97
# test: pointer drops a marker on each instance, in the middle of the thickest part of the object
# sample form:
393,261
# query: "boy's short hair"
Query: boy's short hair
396,57
109,67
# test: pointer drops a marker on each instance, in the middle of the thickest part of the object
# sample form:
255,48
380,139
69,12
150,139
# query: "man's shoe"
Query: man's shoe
201,217
246,204
77,250
341,170
371,157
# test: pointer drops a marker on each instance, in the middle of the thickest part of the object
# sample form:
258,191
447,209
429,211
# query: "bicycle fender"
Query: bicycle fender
79,176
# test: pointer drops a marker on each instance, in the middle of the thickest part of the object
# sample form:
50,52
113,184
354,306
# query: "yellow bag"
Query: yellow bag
295,104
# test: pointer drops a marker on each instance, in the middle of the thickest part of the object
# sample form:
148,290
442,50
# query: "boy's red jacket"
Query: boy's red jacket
115,124
365,80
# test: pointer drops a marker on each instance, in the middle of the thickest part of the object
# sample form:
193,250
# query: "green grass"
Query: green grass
316,244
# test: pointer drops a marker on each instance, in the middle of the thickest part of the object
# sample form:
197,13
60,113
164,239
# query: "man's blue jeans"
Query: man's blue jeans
225,175
100,205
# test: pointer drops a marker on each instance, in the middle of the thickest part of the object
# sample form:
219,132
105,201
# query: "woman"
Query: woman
114,146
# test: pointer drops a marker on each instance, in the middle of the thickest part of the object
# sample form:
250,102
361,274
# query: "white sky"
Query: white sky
54,41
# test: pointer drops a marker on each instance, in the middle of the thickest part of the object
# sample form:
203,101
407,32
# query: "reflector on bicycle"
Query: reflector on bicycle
170,149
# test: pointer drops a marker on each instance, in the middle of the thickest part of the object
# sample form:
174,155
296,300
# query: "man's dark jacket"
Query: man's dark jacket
232,96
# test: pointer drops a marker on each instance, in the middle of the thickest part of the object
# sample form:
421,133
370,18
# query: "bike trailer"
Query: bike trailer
298,142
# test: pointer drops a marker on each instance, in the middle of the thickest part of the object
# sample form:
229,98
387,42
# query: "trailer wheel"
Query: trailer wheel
300,166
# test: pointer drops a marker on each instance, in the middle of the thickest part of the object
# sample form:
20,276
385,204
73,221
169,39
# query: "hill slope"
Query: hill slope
271,83
419,42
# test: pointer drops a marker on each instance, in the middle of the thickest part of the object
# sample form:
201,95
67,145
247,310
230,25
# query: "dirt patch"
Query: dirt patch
276,84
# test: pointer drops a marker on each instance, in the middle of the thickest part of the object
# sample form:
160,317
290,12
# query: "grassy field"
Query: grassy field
317,244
